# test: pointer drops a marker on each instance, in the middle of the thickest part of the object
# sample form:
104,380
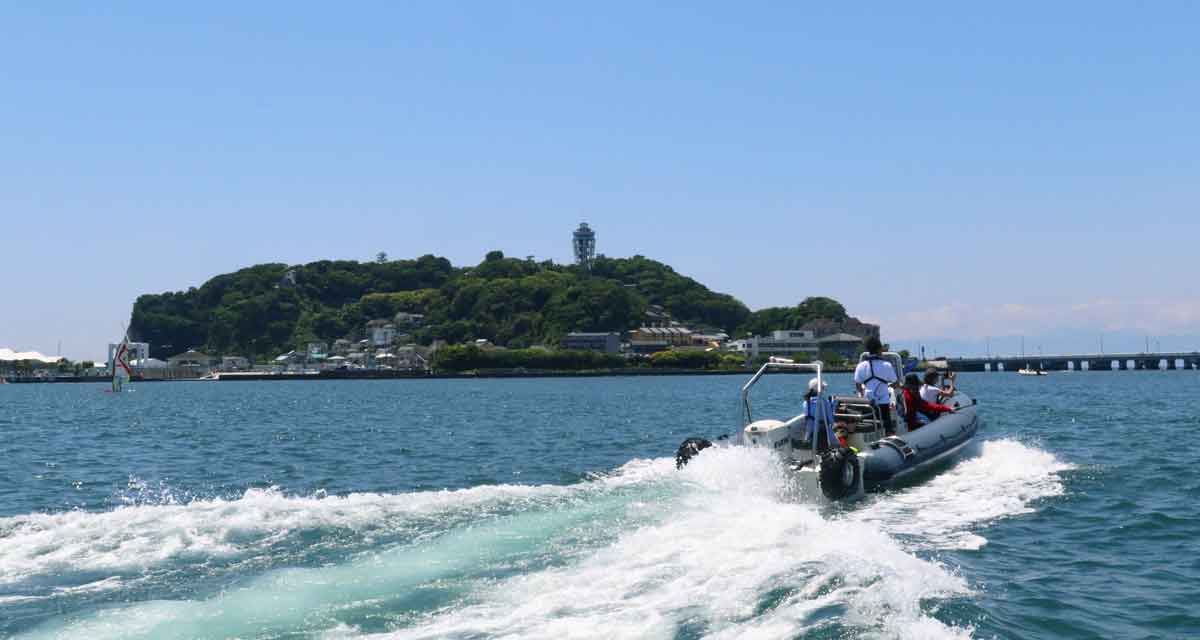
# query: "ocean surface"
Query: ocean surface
551,508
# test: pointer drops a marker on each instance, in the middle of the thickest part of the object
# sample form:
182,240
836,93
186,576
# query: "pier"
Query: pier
1087,362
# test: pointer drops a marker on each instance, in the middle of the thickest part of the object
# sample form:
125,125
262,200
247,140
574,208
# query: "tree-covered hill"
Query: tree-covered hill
267,309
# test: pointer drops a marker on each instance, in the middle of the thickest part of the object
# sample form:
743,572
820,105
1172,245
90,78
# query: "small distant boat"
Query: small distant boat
1032,372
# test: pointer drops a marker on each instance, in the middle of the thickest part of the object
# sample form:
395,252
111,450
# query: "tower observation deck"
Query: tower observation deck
583,241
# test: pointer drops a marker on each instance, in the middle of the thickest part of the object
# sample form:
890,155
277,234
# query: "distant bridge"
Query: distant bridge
1088,362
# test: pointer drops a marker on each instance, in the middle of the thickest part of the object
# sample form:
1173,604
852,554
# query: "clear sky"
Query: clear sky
949,170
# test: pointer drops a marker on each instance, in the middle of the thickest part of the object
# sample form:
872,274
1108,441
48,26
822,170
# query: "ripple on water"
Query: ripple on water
185,502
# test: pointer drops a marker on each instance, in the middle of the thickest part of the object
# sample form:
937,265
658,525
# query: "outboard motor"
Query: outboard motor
840,473
770,434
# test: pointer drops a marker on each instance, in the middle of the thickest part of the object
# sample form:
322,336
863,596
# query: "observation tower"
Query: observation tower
584,243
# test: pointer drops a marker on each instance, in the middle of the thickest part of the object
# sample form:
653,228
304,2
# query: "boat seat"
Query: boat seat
857,415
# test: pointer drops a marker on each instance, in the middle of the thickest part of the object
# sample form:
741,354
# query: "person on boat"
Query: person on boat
812,408
917,407
874,377
931,391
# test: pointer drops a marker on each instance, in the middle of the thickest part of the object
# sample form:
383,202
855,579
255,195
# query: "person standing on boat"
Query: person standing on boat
874,378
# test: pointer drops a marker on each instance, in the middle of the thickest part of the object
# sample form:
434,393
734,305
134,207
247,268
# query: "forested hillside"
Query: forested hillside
267,309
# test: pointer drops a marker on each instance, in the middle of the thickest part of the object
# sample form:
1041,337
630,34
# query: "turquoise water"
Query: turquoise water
552,509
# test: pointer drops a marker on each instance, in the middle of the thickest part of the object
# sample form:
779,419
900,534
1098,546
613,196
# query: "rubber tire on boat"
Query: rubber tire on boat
840,473
688,450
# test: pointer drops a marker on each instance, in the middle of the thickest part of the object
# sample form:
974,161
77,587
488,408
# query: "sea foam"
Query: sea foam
727,548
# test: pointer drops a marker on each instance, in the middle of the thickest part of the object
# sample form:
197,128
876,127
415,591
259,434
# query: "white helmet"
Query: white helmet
812,385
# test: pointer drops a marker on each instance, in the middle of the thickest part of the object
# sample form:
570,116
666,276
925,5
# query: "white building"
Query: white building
790,343
192,359
381,332
137,350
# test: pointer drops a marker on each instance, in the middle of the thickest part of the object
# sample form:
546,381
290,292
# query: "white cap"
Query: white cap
812,385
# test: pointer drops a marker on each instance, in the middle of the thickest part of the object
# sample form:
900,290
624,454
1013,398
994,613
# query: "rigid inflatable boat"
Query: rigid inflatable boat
839,442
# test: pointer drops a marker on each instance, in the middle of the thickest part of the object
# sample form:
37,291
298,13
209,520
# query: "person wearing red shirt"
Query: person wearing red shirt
916,406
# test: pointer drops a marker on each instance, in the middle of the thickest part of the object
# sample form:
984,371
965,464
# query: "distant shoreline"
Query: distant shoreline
404,375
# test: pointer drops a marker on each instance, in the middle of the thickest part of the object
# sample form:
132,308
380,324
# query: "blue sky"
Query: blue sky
952,172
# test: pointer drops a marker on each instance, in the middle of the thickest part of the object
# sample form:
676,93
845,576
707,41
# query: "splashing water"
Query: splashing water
722,549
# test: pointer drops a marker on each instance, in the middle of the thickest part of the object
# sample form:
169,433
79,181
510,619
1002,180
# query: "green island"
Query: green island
502,314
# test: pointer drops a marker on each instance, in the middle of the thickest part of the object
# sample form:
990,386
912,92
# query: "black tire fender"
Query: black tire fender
840,473
688,449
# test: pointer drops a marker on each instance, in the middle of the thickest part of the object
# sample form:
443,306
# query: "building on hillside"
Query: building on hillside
788,343
677,336
845,345
381,332
194,360
648,347
609,342
655,316
406,319
291,358
288,279
716,340
342,346
235,363
318,350
410,359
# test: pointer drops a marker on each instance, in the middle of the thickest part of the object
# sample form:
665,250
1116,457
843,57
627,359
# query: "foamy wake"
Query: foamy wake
739,564
141,537
720,550
1003,480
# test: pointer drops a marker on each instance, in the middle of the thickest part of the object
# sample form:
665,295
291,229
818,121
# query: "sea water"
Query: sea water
551,508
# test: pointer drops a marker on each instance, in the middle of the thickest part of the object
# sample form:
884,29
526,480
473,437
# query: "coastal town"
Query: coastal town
387,349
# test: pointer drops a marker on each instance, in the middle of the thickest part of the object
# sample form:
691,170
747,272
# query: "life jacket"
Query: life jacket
871,365
816,428
870,360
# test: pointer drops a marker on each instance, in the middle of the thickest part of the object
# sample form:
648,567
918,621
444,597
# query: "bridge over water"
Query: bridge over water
1088,362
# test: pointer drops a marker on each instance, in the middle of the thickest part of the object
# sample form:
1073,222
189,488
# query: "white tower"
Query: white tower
584,243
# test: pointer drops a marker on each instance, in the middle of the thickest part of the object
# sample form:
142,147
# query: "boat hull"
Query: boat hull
894,458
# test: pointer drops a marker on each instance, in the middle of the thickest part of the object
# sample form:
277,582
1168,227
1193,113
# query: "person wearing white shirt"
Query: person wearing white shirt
932,392
874,378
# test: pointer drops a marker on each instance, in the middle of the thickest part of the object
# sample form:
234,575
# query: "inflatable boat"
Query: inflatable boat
839,442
